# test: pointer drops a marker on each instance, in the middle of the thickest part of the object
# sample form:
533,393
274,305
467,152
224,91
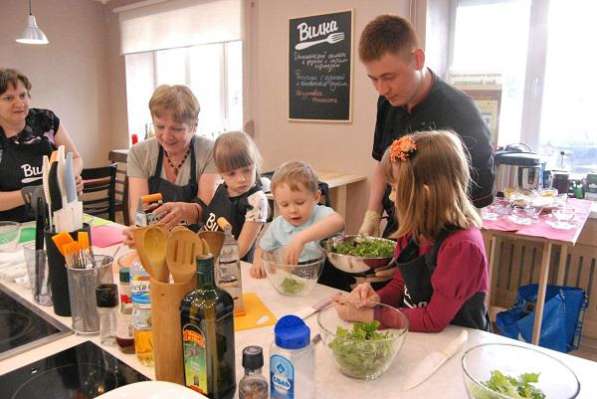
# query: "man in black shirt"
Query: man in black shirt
412,98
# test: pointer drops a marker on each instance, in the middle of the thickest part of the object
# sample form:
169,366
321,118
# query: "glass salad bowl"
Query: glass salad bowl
363,350
293,280
9,236
357,253
506,371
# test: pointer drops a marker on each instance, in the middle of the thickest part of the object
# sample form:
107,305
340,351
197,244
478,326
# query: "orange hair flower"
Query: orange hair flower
402,149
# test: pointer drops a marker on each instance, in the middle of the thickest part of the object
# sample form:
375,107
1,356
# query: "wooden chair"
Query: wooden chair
99,191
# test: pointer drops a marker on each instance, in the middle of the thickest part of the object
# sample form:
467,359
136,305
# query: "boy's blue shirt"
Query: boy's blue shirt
280,233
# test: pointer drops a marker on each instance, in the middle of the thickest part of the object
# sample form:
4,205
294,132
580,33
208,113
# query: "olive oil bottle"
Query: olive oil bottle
207,323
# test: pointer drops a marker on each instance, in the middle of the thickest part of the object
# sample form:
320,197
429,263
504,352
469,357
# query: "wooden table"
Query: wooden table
548,239
338,183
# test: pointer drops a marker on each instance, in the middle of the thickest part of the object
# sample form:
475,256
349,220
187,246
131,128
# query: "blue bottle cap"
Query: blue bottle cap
292,333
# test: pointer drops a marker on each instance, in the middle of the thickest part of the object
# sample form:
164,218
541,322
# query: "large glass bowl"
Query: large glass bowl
292,280
9,236
360,359
556,380
351,263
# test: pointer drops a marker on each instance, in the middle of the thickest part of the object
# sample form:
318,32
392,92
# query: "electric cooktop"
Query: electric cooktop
23,326
81,372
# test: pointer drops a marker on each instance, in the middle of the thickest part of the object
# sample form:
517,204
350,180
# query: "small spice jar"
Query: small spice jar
106,296
253,385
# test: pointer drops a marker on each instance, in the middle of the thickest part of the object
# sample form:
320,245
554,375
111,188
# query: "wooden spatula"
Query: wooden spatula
183,248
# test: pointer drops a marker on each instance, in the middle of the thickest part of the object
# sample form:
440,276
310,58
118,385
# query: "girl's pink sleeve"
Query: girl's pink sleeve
461,272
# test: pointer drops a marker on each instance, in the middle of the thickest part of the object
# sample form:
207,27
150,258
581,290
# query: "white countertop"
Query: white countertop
446,383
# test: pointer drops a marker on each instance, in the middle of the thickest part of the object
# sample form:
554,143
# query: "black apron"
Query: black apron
170,191
21,166
417,270
222,205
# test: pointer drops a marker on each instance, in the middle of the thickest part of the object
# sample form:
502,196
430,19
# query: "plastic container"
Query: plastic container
253,385
106,296
292,360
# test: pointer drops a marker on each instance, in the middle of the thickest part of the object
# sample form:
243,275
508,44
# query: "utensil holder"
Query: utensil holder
57,269
165,321
81,286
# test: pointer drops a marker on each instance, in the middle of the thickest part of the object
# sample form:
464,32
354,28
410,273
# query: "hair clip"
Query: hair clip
402,149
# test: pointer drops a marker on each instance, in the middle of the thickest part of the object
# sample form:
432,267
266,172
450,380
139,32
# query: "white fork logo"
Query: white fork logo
333,38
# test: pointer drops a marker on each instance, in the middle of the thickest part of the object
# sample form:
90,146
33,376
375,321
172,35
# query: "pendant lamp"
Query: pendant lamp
32,34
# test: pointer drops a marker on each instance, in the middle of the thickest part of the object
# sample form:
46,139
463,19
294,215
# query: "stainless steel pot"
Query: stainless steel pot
517,170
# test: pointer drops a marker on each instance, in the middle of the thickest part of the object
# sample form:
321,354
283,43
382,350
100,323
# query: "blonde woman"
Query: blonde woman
176,163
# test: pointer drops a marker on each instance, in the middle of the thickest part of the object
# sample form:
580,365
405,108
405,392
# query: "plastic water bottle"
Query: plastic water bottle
141,317
228,273
292,360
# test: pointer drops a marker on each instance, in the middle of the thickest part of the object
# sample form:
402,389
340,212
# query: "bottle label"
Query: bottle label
140,286
195,358
281,377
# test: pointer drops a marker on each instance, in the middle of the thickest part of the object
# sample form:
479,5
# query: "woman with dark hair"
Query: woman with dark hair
26,135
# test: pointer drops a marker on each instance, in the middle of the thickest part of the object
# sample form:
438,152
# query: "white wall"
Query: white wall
69,75
329,146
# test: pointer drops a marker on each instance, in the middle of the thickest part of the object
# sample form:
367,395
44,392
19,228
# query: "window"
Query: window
212,71
546,77
195,43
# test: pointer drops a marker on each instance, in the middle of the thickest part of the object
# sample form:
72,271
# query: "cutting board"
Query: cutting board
256,311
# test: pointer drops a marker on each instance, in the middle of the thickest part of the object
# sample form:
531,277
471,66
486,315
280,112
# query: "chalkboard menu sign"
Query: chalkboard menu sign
320,56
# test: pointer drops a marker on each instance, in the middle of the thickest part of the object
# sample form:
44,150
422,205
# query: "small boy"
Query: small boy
302,222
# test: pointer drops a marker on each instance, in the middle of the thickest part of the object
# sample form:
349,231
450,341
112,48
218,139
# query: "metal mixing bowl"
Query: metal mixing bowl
354,264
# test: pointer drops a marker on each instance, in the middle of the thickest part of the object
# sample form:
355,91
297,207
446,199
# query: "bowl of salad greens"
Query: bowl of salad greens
358,254
363,350
293,280
506,371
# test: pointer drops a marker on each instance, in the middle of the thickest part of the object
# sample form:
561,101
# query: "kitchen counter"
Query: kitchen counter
447,382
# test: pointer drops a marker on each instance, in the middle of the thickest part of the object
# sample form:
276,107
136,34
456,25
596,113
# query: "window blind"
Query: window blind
179,23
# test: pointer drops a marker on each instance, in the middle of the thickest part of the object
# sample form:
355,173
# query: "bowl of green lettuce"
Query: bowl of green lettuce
506,371
358,253
363,350
293,280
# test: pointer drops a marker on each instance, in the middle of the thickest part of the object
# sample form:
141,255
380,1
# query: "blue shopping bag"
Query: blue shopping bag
562,317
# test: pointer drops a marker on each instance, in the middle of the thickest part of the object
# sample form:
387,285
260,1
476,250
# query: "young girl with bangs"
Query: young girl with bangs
441,275
240,198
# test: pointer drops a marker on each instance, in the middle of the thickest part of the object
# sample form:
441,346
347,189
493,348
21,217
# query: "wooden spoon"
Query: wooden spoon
182,250
139,237
154,246
214,240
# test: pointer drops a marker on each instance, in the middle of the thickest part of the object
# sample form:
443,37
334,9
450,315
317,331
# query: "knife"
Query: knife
55,194
308,311
434,361
46,186
69,179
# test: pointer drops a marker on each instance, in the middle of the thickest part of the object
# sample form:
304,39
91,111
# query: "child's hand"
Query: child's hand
257,270
128,237
349,312
292,252
363,296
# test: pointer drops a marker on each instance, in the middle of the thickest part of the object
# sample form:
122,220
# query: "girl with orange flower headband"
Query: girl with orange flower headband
441,274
